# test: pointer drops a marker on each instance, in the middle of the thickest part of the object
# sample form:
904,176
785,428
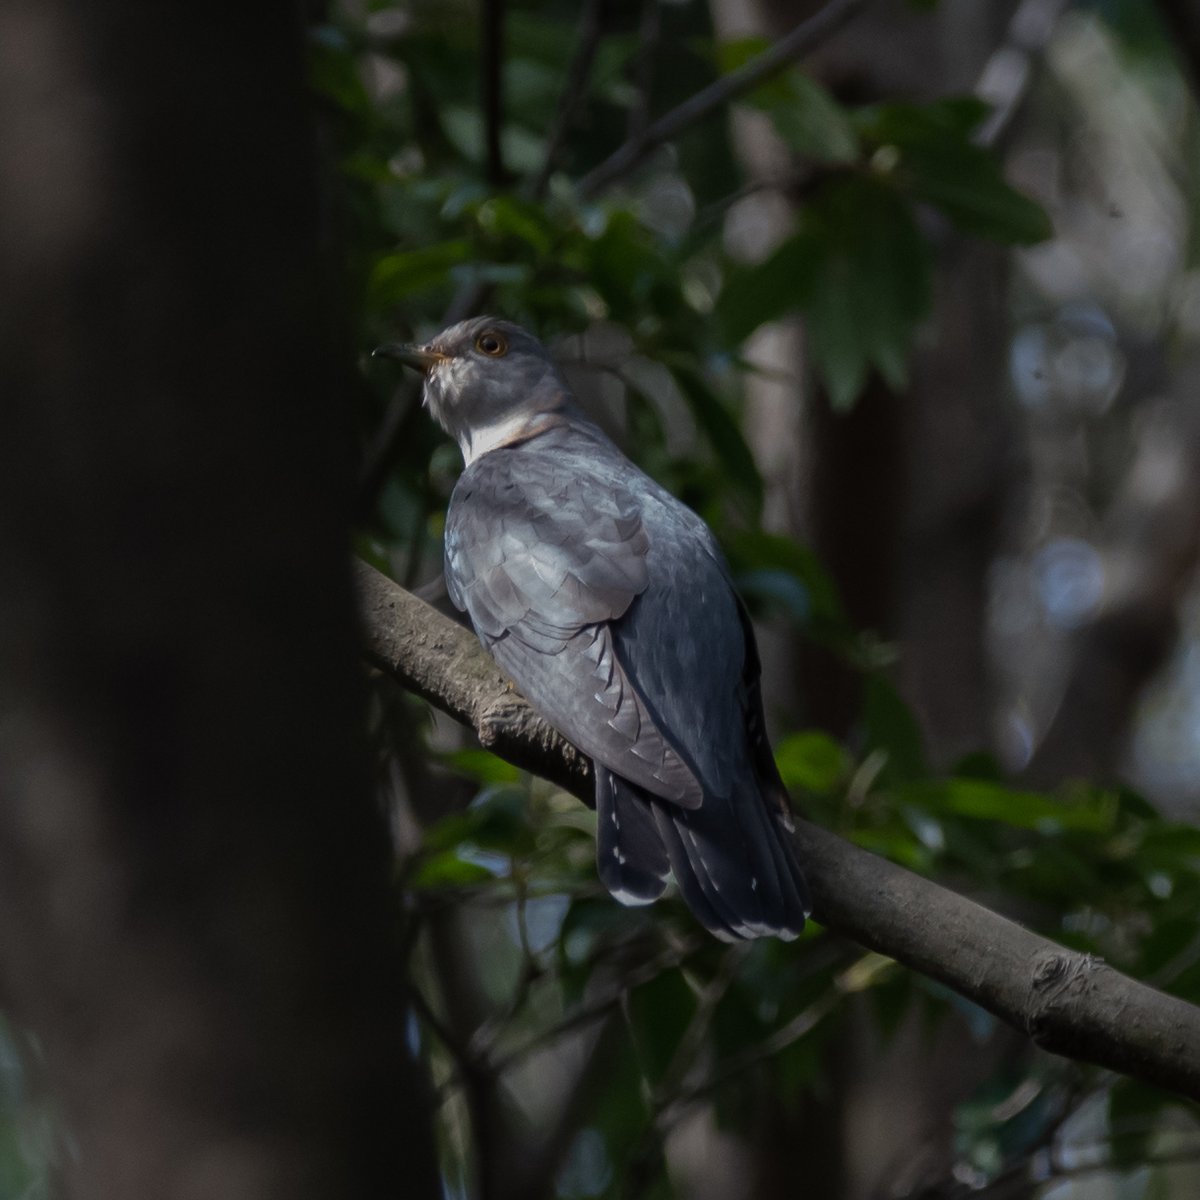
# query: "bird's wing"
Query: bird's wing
543,550
691,651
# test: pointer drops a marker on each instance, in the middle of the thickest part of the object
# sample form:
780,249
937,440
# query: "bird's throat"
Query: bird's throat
507,432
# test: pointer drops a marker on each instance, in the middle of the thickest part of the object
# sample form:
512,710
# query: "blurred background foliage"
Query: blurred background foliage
911,324
914,325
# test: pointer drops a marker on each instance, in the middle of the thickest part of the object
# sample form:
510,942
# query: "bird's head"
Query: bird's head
488,383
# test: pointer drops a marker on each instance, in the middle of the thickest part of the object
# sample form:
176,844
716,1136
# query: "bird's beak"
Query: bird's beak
421,357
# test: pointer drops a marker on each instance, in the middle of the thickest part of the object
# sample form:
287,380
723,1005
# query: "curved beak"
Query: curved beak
420,357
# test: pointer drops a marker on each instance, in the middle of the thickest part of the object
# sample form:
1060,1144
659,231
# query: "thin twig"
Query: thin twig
695,1034
660,1097
804,38
436,1025
1017,1186
649,32
797,186
491,45
395,430
798,1027
579,74
484,1039
585,1014
668,1110
1070,1099
472,292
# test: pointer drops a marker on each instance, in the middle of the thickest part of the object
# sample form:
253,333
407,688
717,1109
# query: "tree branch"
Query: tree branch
1069,1003
444,663
472,293
491,45
578,76
649,36
803,38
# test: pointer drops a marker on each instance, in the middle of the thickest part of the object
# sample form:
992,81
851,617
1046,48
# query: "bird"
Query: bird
609,604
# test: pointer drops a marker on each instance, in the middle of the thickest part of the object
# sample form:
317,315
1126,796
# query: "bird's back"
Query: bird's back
610,605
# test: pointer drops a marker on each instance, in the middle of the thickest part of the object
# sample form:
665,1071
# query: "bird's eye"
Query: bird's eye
492,344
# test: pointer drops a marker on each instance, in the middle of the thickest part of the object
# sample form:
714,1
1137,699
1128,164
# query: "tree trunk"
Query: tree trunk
195,916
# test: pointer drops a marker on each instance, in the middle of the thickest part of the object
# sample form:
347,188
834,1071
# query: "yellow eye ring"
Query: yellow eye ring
492,344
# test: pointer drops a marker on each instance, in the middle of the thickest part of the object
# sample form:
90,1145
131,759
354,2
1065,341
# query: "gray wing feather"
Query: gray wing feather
543,556
582,690
609,605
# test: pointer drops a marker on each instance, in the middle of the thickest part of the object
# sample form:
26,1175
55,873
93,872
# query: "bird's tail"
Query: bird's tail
630,857
733,858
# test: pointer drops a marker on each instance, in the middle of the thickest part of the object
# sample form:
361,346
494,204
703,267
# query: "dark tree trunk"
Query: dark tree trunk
195,919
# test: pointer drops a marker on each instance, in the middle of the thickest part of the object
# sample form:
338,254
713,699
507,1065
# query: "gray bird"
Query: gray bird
609,604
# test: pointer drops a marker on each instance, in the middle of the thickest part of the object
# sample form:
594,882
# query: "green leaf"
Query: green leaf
892,728
497,819
954,118
723,433
971,192
978,764
737,52
804,114
981,799
758,557
871,285
940,165
619,263
447,869
464,128
659,1013
506,216
483,766
1166,943
767,291
332,71
812,123
812,760
782,590
1171,847
859,271
398,275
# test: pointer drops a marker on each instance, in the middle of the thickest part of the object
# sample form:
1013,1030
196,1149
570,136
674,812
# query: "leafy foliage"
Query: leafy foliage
655,1017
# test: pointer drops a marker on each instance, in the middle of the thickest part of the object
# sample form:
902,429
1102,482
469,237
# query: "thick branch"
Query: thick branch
1069,1003
444,664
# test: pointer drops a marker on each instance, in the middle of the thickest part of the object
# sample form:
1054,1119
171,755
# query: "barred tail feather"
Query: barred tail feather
630,857
736,867
732,858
